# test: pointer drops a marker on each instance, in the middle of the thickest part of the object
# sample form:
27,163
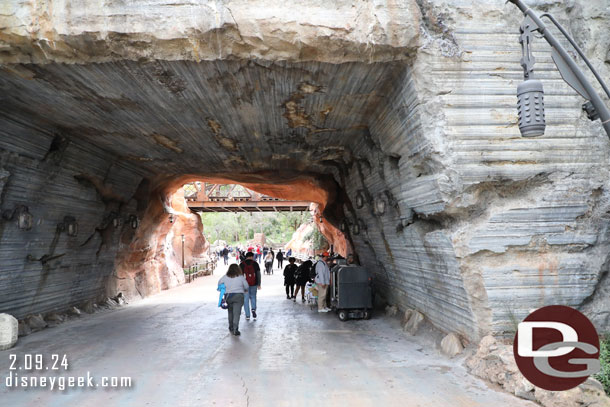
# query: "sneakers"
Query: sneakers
236,333
287,297
294,299
247,318
254,314
323,310
303,299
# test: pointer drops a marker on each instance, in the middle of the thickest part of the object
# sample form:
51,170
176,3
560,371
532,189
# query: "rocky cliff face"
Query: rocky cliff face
398,116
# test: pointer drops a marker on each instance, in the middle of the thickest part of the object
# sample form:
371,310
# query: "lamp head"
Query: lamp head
530,105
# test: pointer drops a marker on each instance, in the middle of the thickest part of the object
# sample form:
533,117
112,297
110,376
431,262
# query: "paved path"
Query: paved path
177,349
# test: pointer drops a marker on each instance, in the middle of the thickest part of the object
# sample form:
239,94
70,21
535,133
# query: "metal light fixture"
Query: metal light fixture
69,225
24,219
360,199
321,219
380,205
134,221
356,229
117,221
530,92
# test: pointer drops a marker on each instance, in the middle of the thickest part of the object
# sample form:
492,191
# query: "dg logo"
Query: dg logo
556,348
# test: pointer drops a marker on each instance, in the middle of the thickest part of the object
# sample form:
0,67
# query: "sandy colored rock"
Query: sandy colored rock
36,322
9,331
451,345
413,323
74,311
391,310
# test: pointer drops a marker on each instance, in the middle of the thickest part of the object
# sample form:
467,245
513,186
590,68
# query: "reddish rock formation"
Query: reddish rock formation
152,261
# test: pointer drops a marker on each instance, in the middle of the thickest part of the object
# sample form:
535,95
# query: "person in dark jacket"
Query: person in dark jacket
301,278
289,278
280,259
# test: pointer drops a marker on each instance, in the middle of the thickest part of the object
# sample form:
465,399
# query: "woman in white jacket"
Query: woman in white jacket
235,285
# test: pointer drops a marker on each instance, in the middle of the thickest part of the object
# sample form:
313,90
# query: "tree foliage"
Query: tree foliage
317,238
240,227
604,358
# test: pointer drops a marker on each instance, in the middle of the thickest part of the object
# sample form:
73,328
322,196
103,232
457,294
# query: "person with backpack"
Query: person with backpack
235,286
252,273
301,278
289,278
280,259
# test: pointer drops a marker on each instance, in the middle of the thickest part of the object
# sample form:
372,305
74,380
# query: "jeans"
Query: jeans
234,302
250,296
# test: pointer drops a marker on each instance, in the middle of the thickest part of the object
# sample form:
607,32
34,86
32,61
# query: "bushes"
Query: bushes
604,357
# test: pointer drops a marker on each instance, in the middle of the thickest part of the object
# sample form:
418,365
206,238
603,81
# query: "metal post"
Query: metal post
182,253
598,103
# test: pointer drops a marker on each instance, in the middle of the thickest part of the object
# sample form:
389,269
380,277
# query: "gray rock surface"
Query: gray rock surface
9,331
409,102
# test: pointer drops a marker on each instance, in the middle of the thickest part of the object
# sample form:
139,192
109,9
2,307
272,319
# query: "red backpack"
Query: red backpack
250,272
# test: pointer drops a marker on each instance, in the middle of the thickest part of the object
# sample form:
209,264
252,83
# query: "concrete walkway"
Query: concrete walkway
177,349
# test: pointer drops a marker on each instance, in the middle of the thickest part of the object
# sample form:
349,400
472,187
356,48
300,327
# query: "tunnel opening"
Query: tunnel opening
170,234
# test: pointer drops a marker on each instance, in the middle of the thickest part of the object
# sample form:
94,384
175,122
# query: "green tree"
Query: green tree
240,227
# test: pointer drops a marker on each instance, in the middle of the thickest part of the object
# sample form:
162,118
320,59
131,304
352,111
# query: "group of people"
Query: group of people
298,276
264,255
242,282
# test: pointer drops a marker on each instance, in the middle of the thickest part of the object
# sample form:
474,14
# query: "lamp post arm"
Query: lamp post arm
596,100
582,55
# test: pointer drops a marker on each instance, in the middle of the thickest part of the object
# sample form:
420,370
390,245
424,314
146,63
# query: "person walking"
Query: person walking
269,263
289,278
280,259
236,286
259,252
322,280
225,255
301,278
252,273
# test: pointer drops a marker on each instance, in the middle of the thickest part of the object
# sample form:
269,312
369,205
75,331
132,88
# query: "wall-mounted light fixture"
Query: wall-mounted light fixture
360,199
380,205
25,220
356,228
321,219
344,226
134,221
171,218
117,221
69,225
530,93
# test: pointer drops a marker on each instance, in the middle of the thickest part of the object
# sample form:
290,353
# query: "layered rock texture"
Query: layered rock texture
398,117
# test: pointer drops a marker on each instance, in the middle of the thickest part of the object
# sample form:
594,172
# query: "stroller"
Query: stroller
311,294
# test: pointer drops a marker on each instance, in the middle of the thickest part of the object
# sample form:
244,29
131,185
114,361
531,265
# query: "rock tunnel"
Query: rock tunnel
398,117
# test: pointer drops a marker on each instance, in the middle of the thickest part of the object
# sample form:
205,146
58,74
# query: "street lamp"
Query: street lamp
530,92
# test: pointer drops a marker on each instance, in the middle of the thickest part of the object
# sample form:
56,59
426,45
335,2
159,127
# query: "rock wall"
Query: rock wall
398,115
44,269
